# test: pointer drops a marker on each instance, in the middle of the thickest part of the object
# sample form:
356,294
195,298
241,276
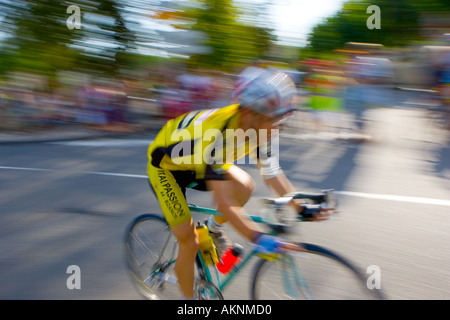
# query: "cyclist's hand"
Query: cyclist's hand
315,212
267,244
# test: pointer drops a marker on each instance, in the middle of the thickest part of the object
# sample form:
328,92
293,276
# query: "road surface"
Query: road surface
68,203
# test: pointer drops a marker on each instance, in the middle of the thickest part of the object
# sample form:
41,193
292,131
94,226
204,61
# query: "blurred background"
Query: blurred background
373,122
129,65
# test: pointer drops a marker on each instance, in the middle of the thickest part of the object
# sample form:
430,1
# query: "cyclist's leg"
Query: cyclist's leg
185,264
176,211
240,190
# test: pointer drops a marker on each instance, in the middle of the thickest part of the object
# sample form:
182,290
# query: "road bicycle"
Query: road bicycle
312,273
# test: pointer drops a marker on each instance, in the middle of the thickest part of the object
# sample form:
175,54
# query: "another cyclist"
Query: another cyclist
180,157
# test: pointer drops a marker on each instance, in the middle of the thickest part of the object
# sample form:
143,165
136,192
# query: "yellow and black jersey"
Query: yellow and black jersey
207,142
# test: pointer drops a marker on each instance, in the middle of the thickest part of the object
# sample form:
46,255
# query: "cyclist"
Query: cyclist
180,158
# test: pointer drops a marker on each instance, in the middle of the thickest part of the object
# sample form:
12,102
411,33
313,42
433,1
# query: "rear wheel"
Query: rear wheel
314,274
205,290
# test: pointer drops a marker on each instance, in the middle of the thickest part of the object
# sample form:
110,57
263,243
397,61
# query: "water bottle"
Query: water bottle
207,248
229,258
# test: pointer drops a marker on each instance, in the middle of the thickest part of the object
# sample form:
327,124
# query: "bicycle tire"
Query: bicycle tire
316,274
151,250
206,290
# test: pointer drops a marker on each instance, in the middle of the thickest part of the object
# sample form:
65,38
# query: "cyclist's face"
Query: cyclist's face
262,122
259,121
266,123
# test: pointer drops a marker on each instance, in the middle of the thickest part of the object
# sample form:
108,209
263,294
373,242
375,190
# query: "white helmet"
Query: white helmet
266,92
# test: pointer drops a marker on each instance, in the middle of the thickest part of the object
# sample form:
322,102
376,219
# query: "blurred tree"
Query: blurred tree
431,5
107,41
37,39
399,25
231,41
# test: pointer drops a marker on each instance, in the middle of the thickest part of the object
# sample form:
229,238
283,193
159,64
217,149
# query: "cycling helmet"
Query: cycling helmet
265,91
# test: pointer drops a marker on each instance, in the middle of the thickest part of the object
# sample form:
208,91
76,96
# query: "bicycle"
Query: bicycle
312,273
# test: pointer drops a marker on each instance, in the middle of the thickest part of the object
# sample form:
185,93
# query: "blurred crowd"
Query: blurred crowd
180,92
352,83
24,109
376,78
113,104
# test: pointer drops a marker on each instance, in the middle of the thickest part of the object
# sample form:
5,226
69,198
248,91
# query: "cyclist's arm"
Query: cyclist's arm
275,178
281,185
273,175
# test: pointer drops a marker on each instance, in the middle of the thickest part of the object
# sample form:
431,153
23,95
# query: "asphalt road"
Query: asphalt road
68,203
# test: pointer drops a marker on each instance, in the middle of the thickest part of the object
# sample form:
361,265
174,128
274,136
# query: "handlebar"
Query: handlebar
326,197
276,205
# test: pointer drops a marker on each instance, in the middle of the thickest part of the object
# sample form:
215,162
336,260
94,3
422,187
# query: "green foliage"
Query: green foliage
231,42
34,36
38,40
399,25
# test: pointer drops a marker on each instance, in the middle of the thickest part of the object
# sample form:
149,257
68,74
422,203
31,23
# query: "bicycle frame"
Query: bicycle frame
221,285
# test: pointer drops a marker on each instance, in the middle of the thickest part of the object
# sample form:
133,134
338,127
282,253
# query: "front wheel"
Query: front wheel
317,273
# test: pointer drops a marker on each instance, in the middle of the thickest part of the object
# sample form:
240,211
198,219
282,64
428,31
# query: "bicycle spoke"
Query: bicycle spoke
151,251
286,274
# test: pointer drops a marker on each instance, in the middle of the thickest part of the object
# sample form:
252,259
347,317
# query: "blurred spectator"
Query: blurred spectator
444,87
354,94
376,72
369,85
102,107
198,89
324,85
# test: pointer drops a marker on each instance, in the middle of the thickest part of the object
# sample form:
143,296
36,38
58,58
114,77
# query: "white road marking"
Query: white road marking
105,143
114,174
389,197
28,169
392,197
